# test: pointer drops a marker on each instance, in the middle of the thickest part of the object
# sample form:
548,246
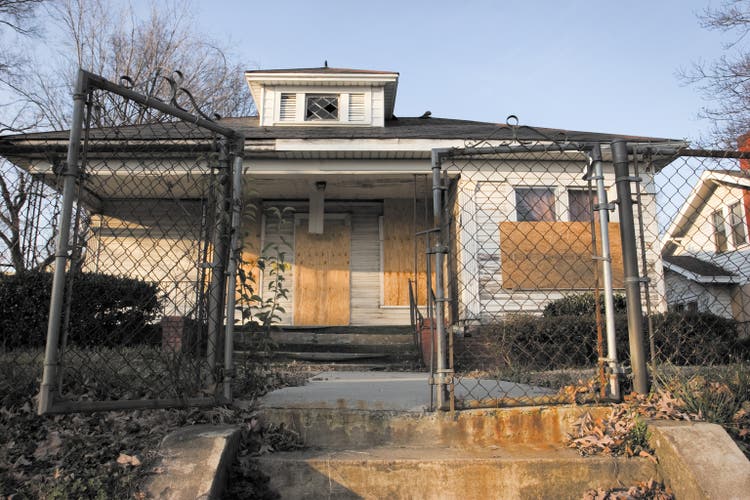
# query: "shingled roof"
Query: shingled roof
400,128
697,266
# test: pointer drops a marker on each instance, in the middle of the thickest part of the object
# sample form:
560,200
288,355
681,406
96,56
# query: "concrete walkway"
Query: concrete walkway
400,391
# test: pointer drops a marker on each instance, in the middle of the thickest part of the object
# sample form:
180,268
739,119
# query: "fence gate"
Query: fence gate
137,317
524,267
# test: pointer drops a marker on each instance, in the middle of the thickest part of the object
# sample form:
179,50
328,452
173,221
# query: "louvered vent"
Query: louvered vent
356,107
288,111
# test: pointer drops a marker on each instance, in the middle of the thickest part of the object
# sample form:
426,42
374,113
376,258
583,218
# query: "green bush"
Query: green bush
569,341
581,304
105,310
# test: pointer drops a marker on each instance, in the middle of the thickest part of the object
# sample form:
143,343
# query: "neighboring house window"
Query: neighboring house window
322,107
690,306
739,237
535,204
720,231
579,205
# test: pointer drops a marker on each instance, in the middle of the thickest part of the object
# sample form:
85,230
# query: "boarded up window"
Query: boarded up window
553,255
399,242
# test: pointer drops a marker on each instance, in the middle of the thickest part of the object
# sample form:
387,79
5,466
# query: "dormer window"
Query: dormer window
320,107
323,97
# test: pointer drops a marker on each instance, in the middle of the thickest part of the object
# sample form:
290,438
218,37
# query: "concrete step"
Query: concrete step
331,356
343,427
392,347
447,473
383,341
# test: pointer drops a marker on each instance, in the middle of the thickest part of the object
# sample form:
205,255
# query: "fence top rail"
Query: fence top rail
104,84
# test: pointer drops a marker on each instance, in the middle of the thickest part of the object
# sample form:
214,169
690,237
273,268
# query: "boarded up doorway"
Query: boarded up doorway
322,273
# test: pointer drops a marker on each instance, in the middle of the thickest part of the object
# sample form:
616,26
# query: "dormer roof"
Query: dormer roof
317,78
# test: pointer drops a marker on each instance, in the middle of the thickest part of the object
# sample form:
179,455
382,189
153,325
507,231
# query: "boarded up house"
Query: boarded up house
355,183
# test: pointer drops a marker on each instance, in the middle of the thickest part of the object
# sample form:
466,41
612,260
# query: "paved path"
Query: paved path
403,391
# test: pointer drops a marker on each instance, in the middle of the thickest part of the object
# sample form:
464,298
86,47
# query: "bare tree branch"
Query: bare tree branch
725,82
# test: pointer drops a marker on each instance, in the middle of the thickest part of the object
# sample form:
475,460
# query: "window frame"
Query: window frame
720,237
343,94
737,224
591,213
551,206
309,97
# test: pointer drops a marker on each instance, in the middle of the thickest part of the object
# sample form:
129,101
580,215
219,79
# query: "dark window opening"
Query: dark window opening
535,204
580,207
322,107
739,236
720,232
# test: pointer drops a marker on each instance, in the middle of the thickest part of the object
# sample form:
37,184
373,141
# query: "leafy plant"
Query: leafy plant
720,395
259,310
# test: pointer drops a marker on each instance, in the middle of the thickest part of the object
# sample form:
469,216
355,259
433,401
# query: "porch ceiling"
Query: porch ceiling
101,188
339,186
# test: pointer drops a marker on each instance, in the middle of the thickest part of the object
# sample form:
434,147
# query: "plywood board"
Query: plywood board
554,255
399,240
322,274
250,238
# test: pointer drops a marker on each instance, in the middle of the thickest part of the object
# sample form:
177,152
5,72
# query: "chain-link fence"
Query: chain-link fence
703,302
29,209
550,287
138,279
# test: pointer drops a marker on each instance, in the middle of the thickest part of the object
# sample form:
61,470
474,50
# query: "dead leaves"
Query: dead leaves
651,489
582,392
131,460
622,432
50,447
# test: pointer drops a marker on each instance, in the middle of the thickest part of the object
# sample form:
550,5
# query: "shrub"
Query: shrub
105,310
569,341
540,343
697,338
581,304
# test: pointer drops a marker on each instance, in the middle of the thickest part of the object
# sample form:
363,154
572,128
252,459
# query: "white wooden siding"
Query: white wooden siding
716,299
699,239
366,275
487,198
153,240
378,107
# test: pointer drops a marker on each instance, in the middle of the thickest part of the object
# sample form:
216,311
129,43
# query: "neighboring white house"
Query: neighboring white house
326,142
707,248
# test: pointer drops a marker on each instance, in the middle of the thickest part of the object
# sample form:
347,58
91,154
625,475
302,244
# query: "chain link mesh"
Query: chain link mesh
142,319
29,209
521,273
700,309
525,268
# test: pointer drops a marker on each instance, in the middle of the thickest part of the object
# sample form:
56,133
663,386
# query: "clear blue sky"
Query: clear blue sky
583,65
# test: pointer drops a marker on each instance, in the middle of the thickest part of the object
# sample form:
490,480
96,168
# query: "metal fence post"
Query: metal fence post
234,257
630,265
61,255
216,293
439,250
603,207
